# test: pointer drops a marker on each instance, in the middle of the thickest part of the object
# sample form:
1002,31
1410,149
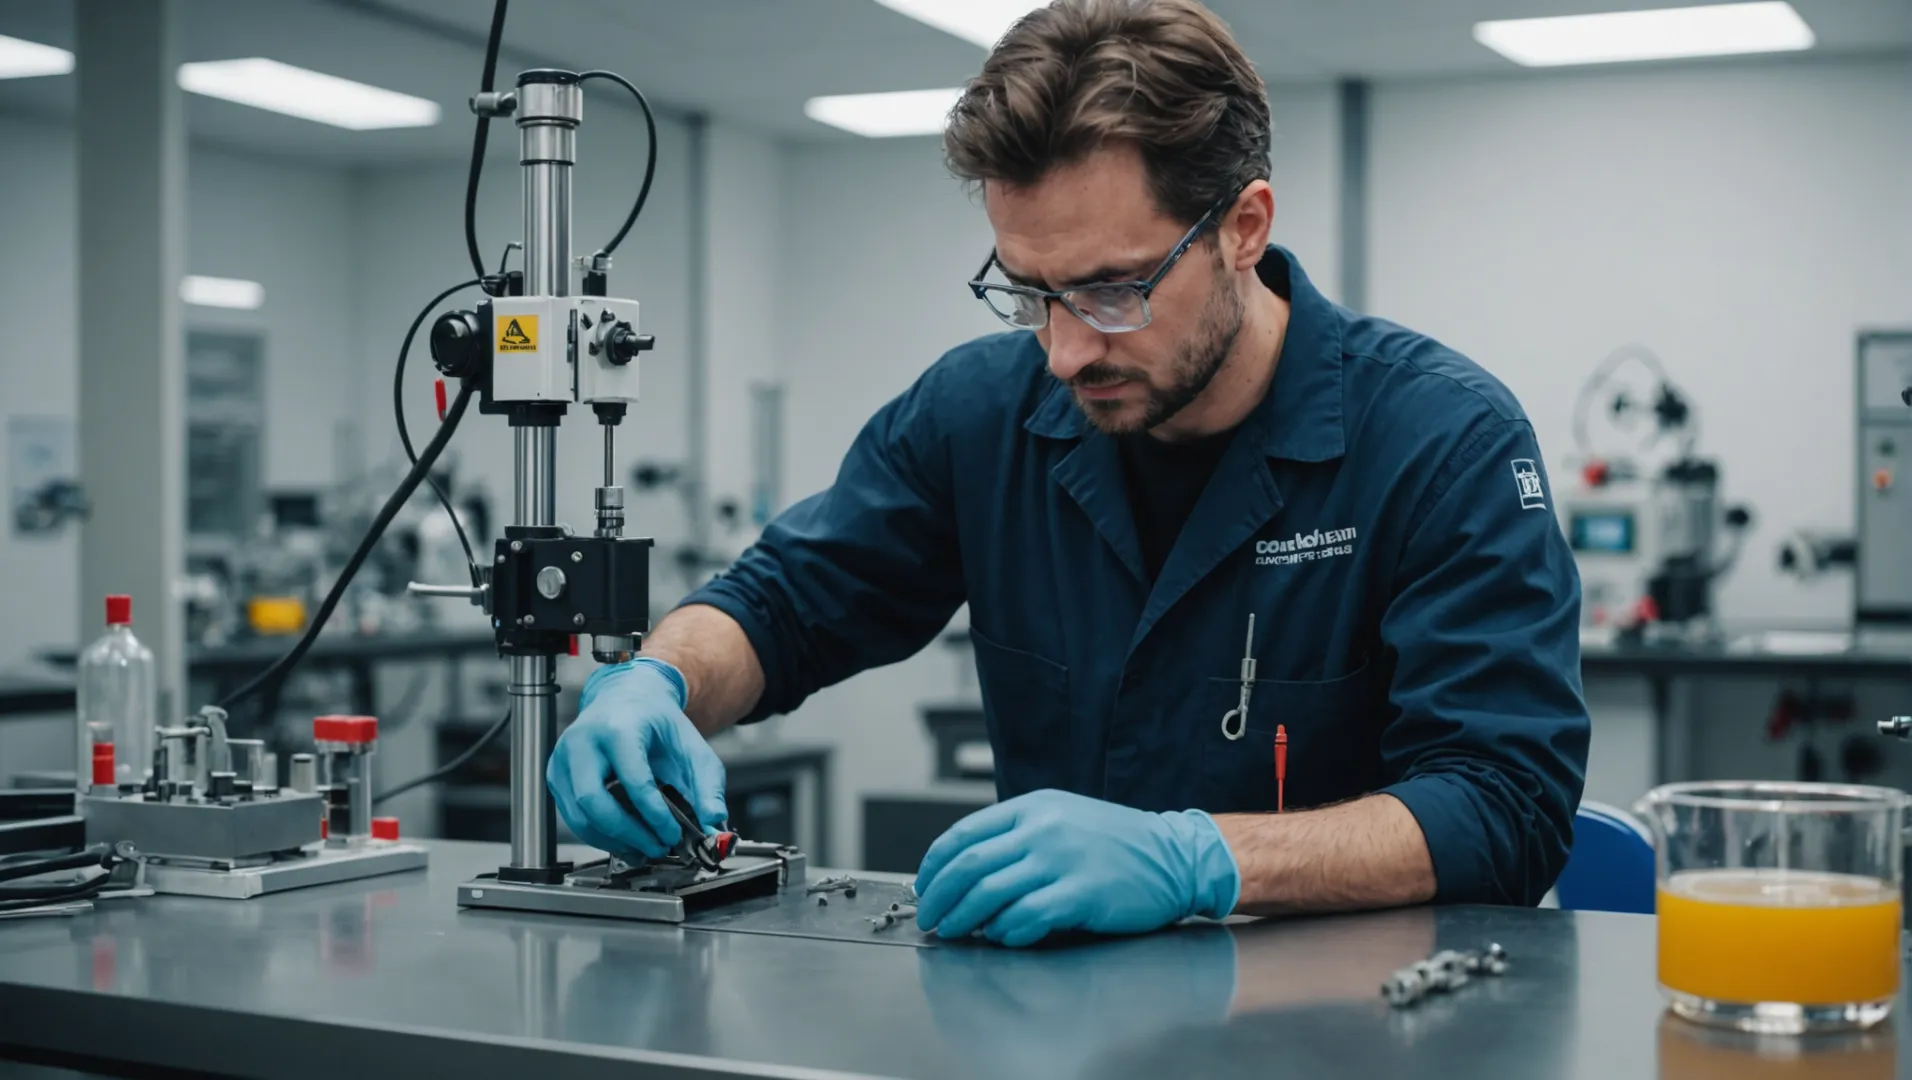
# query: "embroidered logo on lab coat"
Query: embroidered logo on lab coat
1527,479
1305,547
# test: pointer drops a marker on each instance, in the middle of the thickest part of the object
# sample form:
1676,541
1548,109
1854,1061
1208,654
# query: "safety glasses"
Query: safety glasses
1113,307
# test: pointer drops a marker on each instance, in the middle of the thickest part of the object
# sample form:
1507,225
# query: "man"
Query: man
1180,436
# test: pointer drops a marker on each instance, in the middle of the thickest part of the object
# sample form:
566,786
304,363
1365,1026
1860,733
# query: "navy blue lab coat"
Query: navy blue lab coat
1383,512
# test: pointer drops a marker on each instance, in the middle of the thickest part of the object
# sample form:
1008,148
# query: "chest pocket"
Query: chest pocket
1333,732
1026,704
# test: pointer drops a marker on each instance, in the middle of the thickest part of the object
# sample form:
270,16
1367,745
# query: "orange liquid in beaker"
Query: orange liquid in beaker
1796,936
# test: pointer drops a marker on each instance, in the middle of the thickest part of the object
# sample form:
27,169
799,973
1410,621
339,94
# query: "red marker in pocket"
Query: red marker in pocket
1281,766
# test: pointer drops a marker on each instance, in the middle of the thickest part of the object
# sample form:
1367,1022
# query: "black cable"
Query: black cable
386,513
404,433
18,896
650,160
393,717
1604,371
452,766
478,139
97,855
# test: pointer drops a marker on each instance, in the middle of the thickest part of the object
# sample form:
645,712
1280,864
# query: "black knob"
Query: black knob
1905,395
458,344
623,344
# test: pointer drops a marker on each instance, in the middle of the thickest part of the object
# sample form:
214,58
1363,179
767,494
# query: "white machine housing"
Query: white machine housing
1610,529
555,348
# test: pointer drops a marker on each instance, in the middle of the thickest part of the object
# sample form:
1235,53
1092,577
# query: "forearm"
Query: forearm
721,670
1363,854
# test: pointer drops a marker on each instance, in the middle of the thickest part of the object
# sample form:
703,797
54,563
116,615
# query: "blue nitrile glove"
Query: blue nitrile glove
1050,860
631,724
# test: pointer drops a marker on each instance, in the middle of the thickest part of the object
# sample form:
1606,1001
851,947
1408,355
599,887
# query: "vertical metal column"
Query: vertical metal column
1352,97
131,135
548,117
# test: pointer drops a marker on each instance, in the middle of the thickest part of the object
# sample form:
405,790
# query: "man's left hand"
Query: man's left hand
1049,860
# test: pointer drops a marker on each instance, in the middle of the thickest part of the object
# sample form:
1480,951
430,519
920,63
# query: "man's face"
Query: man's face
1096,221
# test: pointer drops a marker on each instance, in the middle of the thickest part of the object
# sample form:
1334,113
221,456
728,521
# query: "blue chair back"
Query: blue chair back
1611,865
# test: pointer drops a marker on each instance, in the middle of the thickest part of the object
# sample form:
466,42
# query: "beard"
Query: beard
1192,368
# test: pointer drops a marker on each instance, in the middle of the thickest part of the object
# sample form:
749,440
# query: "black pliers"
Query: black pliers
694,848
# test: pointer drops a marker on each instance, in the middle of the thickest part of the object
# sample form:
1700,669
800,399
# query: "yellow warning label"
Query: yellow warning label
518,333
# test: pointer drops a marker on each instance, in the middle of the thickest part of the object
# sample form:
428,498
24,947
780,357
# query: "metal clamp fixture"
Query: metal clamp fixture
1442,973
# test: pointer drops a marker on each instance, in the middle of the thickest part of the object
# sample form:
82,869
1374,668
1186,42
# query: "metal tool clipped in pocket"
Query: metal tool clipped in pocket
1235,720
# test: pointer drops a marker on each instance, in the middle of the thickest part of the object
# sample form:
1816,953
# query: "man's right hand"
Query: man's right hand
631,725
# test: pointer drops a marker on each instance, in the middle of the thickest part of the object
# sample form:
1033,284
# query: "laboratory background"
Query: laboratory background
1689,256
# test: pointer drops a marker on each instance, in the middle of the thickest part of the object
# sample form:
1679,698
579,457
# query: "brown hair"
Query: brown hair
1164,76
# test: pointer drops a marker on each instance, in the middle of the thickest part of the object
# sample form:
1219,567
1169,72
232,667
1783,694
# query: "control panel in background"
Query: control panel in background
1883,502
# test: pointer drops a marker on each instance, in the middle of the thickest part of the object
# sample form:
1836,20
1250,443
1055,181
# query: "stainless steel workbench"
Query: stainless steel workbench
386,977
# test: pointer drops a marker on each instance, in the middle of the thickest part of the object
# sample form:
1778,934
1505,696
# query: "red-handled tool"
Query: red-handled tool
1281,766
694,847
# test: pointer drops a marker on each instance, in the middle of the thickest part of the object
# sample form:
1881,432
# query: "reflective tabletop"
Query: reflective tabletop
387,975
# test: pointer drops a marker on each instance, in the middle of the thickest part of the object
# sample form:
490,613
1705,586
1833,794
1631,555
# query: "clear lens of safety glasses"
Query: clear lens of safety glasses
1019,309
1112,309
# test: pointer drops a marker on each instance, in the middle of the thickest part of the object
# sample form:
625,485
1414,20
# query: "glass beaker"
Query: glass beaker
1778,902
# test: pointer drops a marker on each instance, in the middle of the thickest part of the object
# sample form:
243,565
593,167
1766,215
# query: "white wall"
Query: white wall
1306,175
877,241
1741,220
39,276
284,225
743,336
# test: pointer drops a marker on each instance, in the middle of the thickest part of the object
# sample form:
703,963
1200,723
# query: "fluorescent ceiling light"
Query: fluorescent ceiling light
308,95
981,21
1665,34
222,292
25,59
881,116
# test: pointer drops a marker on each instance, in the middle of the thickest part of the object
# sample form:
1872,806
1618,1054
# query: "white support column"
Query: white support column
132,210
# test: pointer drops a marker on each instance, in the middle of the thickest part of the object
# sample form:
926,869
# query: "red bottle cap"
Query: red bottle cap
385,828
102,763
345,729
119,610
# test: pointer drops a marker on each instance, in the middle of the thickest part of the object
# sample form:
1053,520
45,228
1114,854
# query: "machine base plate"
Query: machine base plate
326,866
592,891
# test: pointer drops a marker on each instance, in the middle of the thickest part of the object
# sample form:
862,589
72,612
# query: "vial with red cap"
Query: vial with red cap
118,700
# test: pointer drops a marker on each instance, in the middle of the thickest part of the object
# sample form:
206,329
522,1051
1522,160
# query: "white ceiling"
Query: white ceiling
753,62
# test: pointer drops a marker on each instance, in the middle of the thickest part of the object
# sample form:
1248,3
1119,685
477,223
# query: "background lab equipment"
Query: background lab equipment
1884,498
1643,513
